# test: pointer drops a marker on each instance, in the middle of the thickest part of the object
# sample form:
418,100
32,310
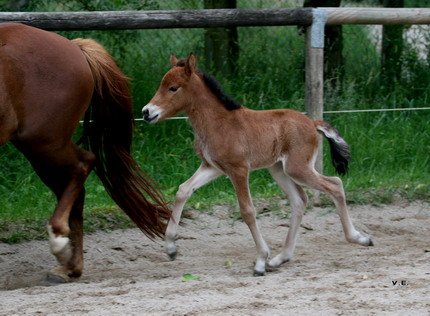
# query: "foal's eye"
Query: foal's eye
173,89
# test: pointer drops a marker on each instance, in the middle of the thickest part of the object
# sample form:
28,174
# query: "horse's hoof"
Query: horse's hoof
57,278
58,275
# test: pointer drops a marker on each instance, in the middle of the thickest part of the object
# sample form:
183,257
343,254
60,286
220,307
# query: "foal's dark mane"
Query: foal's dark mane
215,87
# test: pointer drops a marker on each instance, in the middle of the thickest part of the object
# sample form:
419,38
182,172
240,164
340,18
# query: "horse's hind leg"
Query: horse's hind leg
64,172
333,187
202,176
298,200
68,249
76,262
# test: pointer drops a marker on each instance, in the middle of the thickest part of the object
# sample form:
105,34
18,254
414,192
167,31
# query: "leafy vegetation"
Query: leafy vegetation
390,149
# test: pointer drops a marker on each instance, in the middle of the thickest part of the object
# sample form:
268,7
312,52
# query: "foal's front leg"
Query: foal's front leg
240,182
202,176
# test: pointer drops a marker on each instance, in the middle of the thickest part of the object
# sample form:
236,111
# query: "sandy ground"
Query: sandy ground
126,273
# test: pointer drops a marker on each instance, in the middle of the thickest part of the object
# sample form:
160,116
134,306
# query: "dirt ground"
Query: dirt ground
126,273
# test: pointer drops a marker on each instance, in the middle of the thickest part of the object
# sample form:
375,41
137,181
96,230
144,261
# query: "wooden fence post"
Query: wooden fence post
315,79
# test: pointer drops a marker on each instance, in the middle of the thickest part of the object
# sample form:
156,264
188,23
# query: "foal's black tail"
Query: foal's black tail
339,149
109,136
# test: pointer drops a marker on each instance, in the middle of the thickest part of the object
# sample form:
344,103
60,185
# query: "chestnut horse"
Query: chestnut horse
234,140
47,83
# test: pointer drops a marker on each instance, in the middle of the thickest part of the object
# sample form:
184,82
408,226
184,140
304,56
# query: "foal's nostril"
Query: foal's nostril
145,114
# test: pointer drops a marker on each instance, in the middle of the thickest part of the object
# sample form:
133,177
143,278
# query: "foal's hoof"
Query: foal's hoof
172,255
276,262
259,273
365,241
171,250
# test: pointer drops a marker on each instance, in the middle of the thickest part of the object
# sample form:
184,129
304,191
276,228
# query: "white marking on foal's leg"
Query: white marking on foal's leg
297,202
60,246
263,253
359,238
351,233
202,176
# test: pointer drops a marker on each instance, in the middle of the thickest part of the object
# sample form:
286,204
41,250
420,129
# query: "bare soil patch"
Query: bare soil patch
125,273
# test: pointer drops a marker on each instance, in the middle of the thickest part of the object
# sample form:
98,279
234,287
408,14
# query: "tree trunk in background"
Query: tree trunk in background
333,44
221,44
392,48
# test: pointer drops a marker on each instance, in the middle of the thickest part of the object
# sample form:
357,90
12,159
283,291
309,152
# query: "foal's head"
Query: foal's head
180,88
173,94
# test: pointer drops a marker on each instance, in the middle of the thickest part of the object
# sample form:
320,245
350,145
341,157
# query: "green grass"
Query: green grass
390,151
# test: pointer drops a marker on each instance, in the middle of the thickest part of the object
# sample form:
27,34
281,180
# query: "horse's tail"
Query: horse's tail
108,130
339,149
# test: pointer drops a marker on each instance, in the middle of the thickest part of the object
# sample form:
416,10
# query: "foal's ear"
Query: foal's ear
173,60
190,64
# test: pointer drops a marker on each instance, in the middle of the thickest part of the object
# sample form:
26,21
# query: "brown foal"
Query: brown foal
234,140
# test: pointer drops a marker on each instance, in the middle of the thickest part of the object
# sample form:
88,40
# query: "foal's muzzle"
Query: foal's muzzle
151,113
145,114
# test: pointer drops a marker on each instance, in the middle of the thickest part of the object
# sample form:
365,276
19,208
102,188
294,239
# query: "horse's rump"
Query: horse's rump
44,74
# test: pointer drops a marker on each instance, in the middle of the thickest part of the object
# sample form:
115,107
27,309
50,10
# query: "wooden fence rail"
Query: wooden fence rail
116,20
337,16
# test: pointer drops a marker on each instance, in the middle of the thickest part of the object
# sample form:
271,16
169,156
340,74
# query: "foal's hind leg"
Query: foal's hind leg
202,176
298,200
239,178
334,188
64,172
